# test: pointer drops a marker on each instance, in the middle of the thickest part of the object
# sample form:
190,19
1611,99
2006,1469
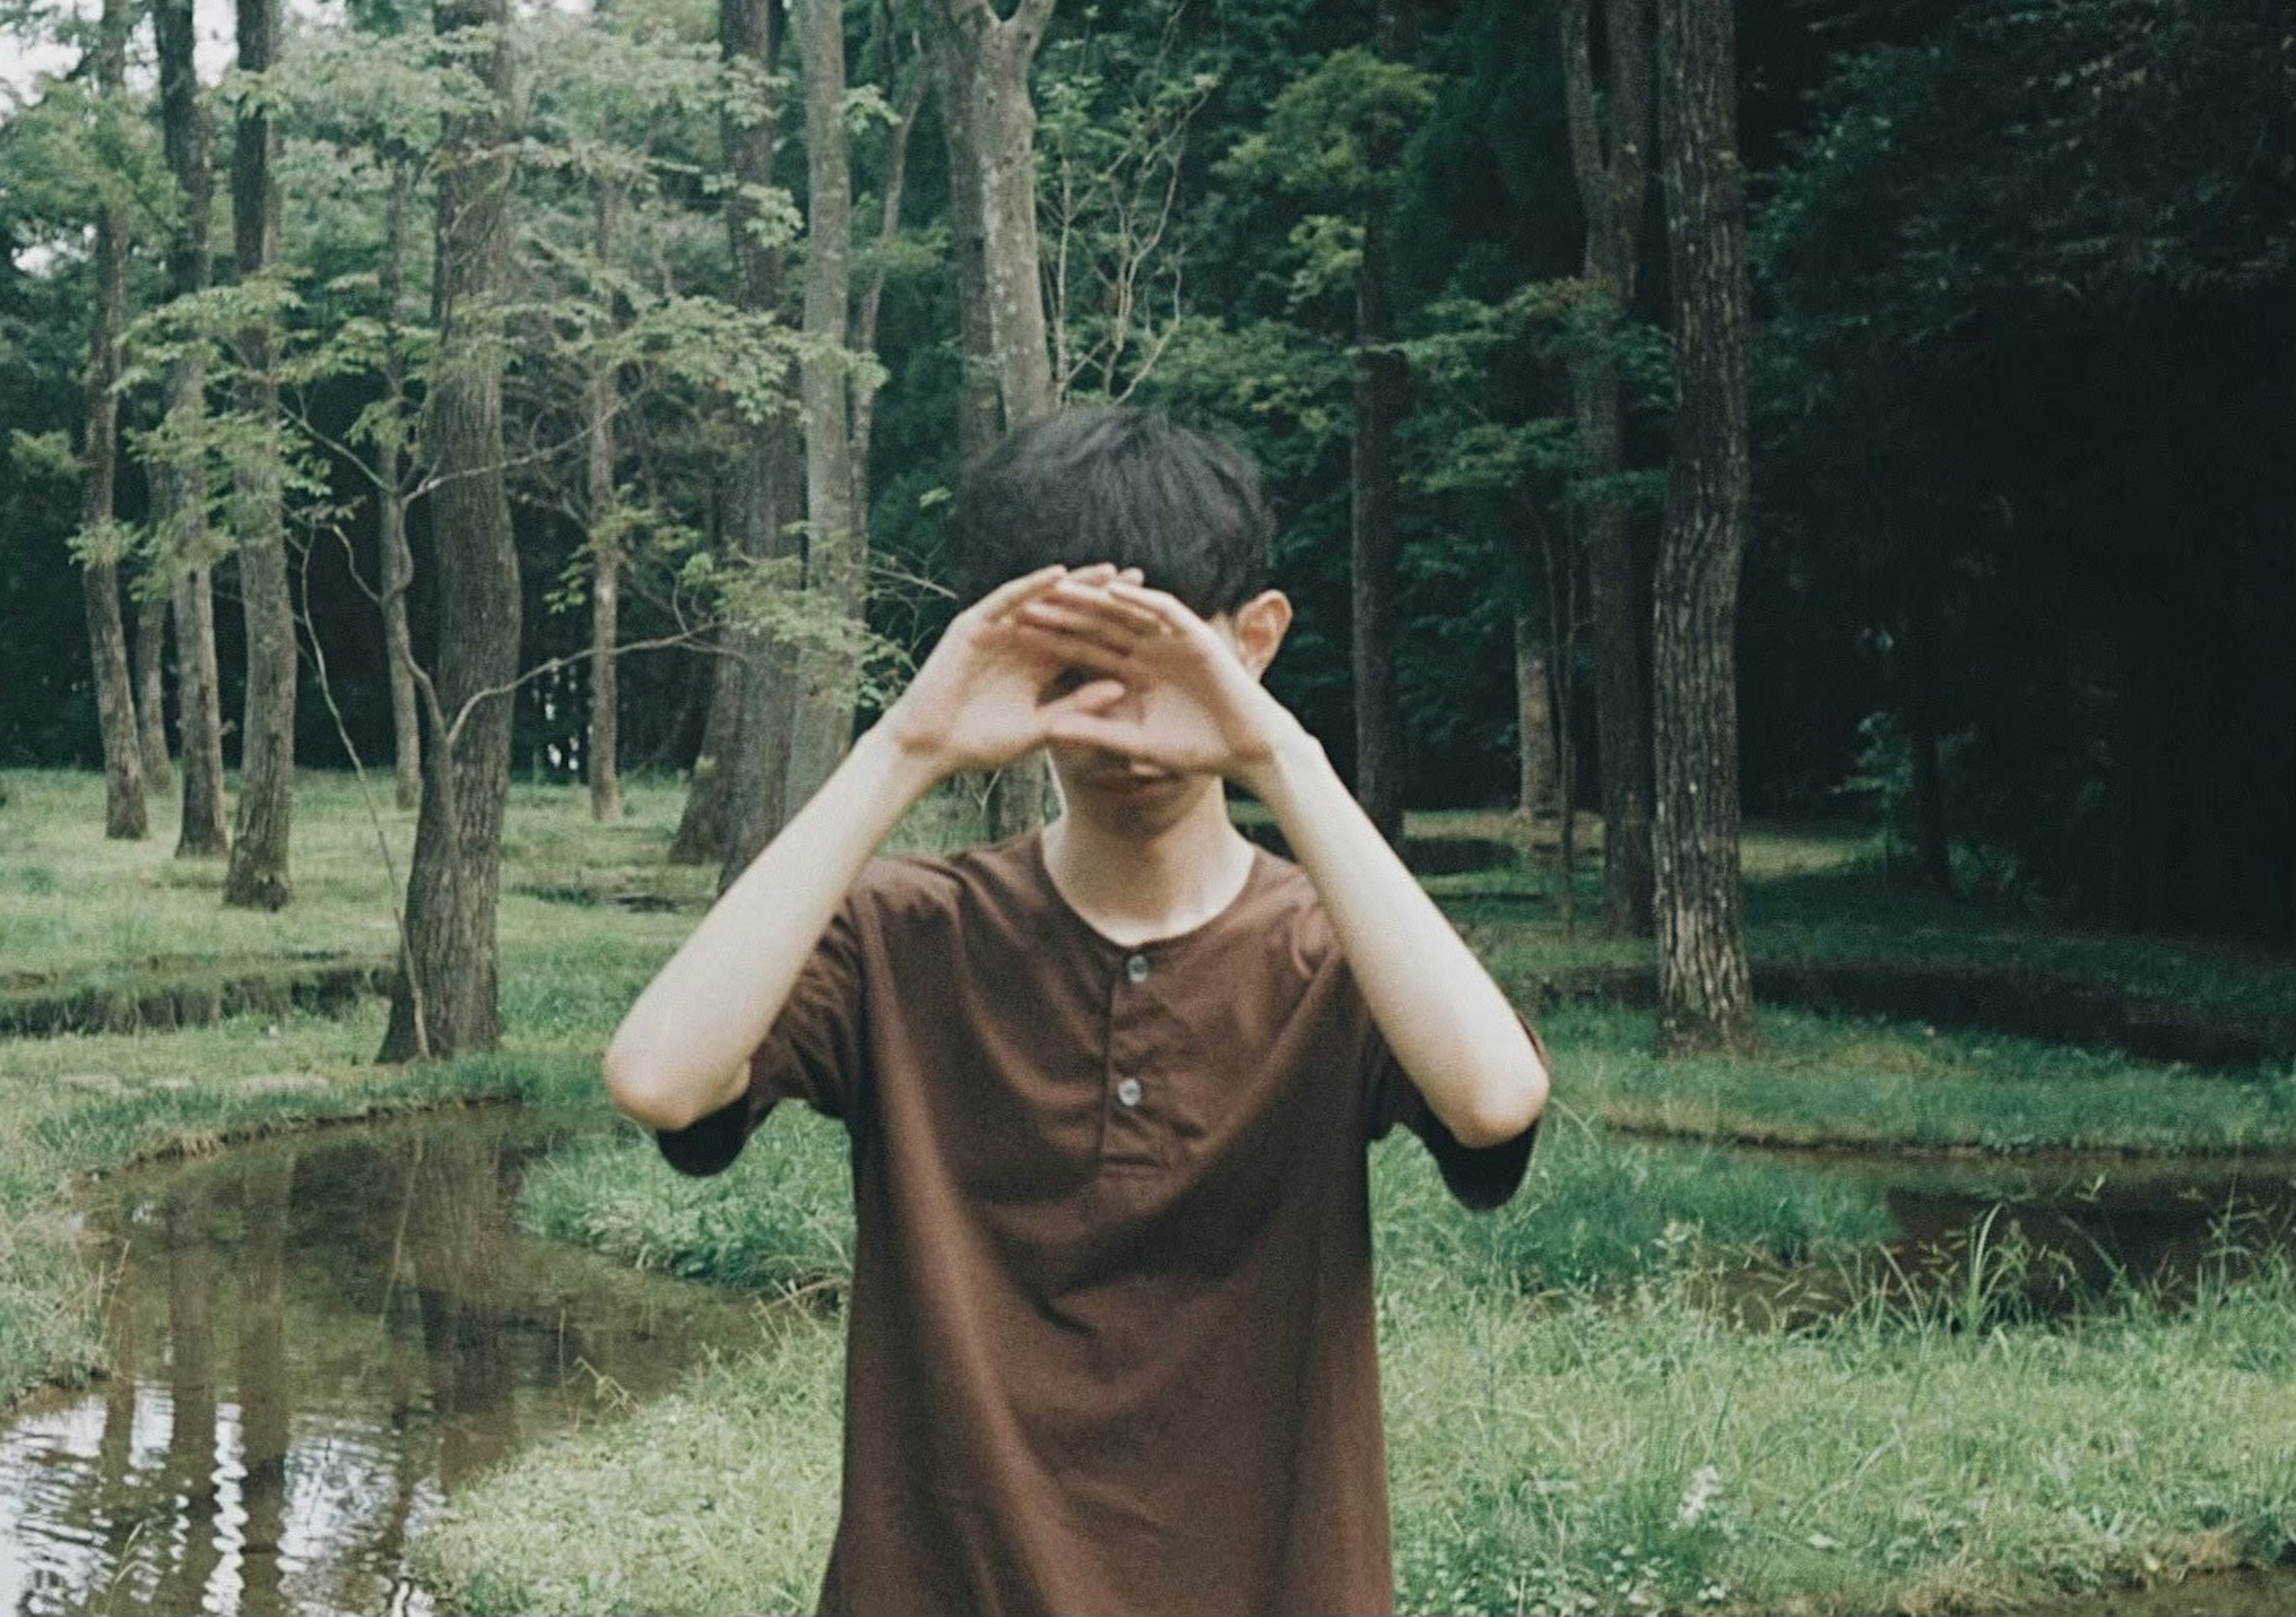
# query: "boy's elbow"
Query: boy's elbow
1508,1107
643,1093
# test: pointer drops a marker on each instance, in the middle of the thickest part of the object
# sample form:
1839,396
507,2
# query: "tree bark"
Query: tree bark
1535,752
256,877
754,772
1613,170
1924,627
836,559
124,816
152,692
982,64
398,554
978,409
1706,998
1382,388
206,832
606,561
179,486
445,1001
701,838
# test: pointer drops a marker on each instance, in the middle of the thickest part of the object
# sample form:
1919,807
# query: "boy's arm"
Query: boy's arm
681,1052
980,702
1447,1023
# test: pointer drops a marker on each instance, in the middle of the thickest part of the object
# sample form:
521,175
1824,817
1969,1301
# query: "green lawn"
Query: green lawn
1576,1422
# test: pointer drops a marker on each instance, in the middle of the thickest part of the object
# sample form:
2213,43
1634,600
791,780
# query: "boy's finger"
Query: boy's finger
1120,629
1060,646
1005,596
1167,609
1093,698
1100,599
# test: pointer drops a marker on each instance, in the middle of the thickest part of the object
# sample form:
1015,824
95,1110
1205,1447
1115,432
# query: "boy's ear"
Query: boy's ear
1261,625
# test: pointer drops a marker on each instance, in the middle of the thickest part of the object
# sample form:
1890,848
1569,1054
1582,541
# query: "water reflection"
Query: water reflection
311,1343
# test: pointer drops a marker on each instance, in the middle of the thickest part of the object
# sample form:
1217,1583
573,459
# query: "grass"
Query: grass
1576,1416
1561,1453
1594,1211
1845,1081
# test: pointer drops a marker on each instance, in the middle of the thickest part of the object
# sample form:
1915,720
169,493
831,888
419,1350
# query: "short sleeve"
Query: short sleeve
812,1053
1480,1177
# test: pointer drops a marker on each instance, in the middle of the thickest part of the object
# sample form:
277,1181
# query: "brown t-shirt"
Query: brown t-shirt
1111,1346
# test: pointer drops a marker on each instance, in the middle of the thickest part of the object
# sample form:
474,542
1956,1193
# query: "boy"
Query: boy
1108,1085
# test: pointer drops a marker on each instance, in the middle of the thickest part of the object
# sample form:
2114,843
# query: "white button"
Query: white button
1136,968
1129,1091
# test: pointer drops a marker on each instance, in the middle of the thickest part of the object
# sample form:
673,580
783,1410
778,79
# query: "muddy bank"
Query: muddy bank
167,992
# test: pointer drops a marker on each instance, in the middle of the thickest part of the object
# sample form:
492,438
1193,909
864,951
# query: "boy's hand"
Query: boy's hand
990,691
1200,711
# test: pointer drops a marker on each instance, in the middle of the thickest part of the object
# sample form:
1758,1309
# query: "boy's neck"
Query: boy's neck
1134,888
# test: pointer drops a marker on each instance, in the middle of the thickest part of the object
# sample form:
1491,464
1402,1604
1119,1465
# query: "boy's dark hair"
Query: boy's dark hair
1115,484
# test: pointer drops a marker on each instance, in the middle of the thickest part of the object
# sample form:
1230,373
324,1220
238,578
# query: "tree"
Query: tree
836,554
761,483
445,998
1609,158
1706,996
101,540
981,64
601,399
1336,136
179,483
256,876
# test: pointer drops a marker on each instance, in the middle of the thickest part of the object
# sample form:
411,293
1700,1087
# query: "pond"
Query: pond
313,1341
2050,1232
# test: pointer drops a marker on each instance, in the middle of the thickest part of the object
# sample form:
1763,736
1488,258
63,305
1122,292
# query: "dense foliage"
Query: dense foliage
2024,503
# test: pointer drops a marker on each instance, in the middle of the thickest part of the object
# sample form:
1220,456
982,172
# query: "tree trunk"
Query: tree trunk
1381,384
152,692
766,486
759,494
979,410
836,560
1612,171
206,832
179,486
124,814
701,829
398,555
1924,626
606,562
1706,996
1534,709
445,1001
256,877
982,64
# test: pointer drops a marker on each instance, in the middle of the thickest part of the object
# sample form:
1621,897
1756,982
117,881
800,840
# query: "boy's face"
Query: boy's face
1137,800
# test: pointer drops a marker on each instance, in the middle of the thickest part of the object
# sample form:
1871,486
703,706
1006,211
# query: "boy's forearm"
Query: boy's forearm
679,1054
1447,1021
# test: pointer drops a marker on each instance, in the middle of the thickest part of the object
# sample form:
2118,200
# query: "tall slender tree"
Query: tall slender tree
179,481
980,64
602,399
445,998
125,814
1382,384
762,483
256,876
835,549
1706,997
1609,142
